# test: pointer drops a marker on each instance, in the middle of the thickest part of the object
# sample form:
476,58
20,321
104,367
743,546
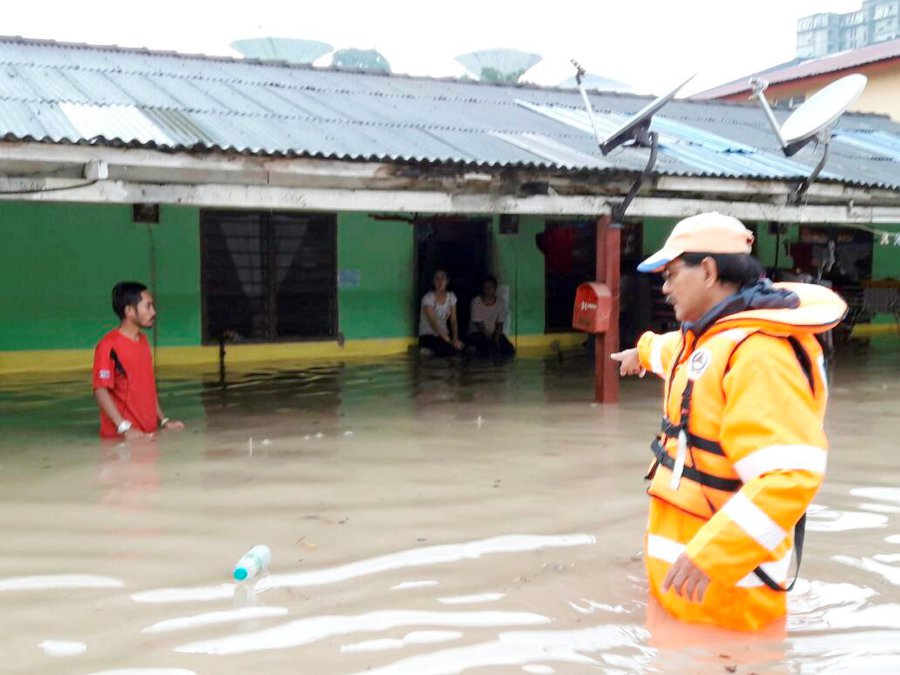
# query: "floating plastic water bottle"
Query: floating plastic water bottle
253,562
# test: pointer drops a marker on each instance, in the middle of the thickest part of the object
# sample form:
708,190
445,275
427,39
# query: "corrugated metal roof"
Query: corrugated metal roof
61,93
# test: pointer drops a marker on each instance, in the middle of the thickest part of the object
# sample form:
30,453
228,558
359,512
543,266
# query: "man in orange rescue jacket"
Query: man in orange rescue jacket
742,451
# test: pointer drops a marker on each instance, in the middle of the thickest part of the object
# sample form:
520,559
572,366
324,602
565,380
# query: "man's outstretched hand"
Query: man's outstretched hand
630,362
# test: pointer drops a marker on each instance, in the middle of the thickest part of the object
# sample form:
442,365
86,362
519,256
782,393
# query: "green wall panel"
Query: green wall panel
177,239
656,231
377,277
519,263
58,263
886,258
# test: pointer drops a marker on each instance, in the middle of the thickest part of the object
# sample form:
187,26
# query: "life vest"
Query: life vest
717,462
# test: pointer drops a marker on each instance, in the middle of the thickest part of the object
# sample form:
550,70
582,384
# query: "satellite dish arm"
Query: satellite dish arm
618,211
579,73
759,87
809,180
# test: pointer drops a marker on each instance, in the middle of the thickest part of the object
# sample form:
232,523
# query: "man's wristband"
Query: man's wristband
163,422
124,426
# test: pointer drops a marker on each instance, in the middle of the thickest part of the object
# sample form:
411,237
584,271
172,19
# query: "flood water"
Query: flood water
423,517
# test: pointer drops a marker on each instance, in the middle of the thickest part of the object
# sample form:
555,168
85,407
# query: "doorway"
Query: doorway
569,247
459,245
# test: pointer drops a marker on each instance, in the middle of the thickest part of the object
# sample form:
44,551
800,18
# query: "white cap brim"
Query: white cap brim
658,260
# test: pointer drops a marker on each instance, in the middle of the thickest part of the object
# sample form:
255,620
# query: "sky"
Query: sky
649,44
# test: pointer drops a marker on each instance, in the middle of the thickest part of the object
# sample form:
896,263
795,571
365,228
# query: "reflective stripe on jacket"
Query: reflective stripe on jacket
753,450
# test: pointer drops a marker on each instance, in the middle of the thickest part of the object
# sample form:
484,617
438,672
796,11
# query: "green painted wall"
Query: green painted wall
376,264
519,263
58,263
886,258
656,231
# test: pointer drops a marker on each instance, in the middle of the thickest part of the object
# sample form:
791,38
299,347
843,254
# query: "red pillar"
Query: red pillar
606,371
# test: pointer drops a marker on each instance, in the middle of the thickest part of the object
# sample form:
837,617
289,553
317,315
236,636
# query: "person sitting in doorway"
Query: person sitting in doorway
438,327
485,333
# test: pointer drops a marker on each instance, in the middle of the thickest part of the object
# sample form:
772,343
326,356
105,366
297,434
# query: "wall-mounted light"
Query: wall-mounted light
509,223
145,213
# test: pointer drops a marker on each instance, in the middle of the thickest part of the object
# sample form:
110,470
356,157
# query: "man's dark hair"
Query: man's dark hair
489,279
733,268
126,294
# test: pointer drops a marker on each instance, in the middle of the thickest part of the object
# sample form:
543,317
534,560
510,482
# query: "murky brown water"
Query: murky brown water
423,519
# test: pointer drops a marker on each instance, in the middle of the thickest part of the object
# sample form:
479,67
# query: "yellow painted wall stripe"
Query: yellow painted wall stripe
872,329
49,360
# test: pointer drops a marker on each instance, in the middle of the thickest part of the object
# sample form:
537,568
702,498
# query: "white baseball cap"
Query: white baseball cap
711,232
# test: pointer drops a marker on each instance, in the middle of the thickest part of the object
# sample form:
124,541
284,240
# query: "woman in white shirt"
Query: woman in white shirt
485,332
438,329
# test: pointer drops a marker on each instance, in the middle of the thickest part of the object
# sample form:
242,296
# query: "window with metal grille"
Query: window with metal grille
268,276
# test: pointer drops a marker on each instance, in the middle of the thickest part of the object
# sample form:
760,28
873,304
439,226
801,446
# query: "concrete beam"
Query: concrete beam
658,207
420,201
313,199
142,166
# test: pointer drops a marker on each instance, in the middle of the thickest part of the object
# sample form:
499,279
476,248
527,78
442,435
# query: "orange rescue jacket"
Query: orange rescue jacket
742,451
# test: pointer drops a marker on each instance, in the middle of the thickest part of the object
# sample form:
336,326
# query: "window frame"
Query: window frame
206,338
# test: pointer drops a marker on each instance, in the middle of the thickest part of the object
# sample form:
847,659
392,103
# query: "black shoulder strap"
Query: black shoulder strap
804,361
800,527
799,535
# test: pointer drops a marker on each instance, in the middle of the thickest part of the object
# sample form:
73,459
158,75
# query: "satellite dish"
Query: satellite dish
635,129
638,126
821,110
302,52
816,115
504,65
813,119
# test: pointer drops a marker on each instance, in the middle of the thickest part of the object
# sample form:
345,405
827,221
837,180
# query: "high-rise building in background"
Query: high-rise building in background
827,33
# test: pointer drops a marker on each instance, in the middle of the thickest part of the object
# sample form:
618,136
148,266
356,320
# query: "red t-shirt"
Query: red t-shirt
125,367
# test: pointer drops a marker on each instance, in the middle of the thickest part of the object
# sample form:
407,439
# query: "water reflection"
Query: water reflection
314,629
62,647
215,618
420,637
145,671
381,488
425,555
130,473
823,519
48,582
522,648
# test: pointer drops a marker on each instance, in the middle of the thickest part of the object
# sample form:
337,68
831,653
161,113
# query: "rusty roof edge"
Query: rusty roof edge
742,85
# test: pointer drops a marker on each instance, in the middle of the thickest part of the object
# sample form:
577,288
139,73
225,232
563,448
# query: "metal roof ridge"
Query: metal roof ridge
842,61
274,116
527,86
43,42
294,87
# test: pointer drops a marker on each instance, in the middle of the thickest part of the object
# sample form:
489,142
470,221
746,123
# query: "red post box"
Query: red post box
593,306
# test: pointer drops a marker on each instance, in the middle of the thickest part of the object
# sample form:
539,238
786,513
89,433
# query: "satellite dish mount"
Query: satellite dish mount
814,120
635,130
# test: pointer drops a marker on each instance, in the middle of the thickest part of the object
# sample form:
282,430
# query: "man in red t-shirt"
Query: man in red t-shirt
124,382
